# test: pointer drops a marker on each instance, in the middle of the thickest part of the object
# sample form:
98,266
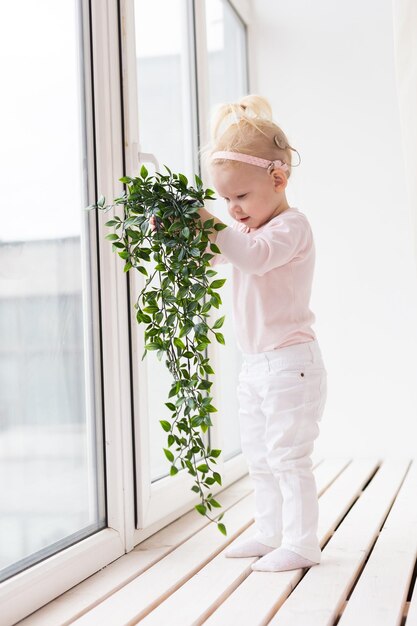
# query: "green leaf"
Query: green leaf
141,317
174,389
143,172
200,292
185,329
168,454
222,528
216,284
179,343
112,237
165,425
220,338
173,471
205,384
152,308
217,477
219,322
201,508
214,502
182,292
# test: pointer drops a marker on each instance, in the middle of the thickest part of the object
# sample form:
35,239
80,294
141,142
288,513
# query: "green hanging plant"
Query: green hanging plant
162,218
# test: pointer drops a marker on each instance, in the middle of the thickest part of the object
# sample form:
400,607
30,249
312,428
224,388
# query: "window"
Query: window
51,444
166,117
166,112
79,478
227,58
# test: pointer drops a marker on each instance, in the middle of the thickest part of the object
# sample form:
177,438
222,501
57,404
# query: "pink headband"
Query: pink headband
252,160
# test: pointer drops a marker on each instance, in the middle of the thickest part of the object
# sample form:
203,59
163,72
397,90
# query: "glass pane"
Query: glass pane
226,42
51,449
164,83
166,130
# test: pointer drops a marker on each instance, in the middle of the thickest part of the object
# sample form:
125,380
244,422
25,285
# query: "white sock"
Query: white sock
281,560
248,547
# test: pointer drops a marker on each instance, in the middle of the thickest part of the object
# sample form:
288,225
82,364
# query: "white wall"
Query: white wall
328,70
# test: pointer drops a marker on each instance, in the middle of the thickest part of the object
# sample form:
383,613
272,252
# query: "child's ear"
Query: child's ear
279,179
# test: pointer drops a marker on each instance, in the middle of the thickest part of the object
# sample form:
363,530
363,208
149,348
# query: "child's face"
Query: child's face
253,196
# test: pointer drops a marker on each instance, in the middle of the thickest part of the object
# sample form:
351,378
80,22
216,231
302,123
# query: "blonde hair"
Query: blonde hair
251,131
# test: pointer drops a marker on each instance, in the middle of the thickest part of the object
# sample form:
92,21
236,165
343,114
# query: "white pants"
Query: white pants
281,397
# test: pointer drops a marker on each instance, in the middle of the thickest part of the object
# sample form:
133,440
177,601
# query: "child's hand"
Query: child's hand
152,222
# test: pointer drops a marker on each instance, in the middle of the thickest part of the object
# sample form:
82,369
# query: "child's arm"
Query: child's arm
274,246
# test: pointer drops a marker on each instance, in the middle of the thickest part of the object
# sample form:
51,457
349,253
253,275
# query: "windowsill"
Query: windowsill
180,574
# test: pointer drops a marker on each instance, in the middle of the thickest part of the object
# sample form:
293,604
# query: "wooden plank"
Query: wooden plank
199,597
148,590
137,598
380,594
257,598
90,592
319,596
328,471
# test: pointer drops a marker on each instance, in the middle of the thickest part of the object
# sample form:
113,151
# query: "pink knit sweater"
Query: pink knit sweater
272,277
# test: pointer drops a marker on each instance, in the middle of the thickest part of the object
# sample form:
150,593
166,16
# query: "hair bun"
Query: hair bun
259,106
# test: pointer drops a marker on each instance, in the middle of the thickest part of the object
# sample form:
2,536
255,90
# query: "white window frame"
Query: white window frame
165,499
152,506
34,587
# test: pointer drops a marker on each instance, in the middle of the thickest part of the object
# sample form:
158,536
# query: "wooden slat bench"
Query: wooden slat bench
180,576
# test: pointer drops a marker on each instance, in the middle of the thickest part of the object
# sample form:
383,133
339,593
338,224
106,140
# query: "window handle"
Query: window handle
148,157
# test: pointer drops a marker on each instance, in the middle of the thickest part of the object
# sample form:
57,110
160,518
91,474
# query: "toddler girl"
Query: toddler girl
283,382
